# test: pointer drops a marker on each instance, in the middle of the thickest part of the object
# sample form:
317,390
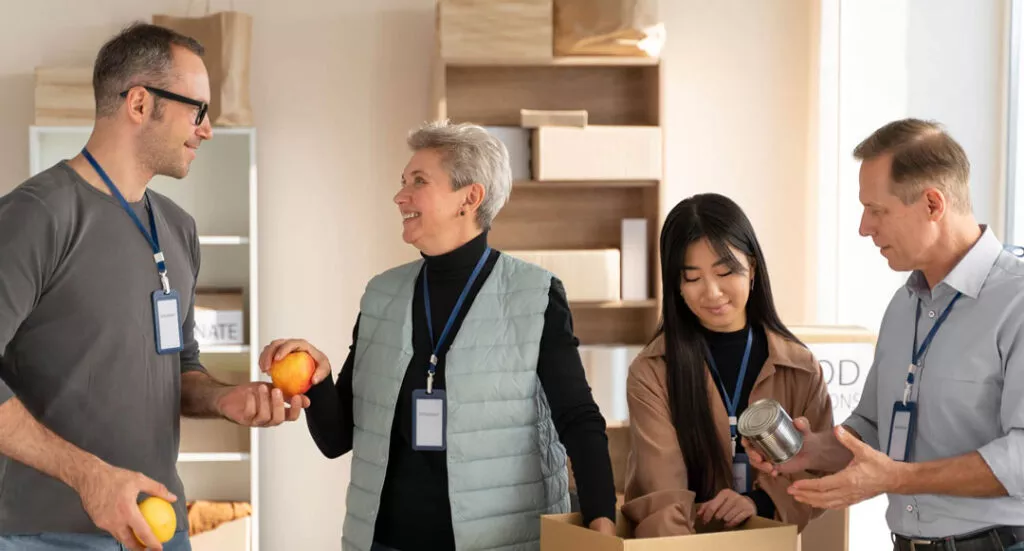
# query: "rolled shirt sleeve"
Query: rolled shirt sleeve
1005,455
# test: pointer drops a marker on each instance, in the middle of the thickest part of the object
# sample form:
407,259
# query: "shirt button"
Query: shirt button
931,314
910,508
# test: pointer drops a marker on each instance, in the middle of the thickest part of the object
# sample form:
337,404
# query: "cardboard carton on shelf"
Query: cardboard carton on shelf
489,30
219,316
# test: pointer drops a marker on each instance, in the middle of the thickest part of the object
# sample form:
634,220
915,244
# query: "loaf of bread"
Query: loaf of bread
204,516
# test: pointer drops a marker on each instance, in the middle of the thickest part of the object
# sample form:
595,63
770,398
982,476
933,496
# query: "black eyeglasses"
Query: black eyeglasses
202,105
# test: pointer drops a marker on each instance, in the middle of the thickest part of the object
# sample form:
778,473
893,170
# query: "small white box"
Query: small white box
607,368
634,259
597,153
590,275
517,142
219,318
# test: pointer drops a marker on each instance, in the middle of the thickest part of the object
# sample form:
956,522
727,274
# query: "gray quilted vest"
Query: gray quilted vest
506,466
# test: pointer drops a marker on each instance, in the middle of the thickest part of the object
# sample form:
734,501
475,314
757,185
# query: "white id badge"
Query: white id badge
166,322
741,473
901,430
428,420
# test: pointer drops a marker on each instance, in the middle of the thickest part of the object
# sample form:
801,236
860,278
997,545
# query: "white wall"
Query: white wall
935,59
739,82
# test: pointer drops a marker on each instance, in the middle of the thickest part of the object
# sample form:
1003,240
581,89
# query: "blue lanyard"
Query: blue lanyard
733,404
917,353
151,236
451,317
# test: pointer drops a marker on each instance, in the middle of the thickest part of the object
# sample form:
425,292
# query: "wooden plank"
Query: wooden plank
832,333
495,95
586,305
613,325
583,184
558,61
566,218
484,29
64,96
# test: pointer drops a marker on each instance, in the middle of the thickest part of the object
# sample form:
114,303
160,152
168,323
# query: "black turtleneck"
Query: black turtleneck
414,511
727,351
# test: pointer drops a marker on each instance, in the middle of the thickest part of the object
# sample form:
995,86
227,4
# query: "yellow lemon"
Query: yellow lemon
159,514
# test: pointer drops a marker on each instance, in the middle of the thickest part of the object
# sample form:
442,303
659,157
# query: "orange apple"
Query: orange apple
293,374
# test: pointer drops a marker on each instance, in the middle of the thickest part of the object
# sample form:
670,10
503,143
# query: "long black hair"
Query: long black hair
723,223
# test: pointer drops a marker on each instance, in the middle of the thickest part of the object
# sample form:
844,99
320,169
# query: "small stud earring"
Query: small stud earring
462,213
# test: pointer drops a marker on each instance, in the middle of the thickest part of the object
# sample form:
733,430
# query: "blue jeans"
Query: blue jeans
81,542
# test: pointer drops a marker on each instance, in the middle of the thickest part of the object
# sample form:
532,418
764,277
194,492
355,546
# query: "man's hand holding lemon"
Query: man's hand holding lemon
110,497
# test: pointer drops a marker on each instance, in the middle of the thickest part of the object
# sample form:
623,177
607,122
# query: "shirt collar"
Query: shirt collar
969,275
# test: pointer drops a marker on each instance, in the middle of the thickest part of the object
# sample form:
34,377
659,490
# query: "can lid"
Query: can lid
760,417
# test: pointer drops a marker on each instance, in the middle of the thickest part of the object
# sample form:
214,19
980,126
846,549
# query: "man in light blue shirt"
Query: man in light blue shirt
940,425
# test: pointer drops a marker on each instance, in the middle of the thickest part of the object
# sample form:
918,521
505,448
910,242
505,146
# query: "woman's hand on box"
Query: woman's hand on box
603,525
728,506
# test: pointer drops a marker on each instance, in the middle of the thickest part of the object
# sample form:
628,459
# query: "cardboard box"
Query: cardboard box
496,30
536,118
635,264
597,153
590,275
566,533
219,317
64,96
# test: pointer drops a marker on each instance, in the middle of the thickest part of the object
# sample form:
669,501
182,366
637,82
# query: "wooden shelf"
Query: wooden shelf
650,303
584,184
224,349
570,214
217,457
492,95
223,240
566,61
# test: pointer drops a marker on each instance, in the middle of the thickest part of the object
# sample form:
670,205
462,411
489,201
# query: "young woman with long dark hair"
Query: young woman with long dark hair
721,345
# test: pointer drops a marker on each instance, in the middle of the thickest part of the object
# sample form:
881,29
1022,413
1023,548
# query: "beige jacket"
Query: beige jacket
657,498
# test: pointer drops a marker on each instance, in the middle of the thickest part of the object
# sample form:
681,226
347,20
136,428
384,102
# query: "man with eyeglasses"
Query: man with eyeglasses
97,281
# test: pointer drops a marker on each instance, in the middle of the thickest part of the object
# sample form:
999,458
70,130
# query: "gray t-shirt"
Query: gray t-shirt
77,338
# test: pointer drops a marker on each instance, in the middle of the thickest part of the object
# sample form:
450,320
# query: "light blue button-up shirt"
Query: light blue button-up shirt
969,388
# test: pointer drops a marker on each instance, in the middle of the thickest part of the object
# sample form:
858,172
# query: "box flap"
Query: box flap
566,533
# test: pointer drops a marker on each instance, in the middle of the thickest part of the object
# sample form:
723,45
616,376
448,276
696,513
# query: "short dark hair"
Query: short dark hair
139,54
923,155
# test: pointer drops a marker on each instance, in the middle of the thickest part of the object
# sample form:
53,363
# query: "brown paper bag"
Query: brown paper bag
608,27
227,38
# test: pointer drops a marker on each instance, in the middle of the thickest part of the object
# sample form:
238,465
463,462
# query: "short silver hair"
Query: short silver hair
470,155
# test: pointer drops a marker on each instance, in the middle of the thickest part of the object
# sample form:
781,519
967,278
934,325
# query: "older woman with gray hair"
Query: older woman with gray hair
463,390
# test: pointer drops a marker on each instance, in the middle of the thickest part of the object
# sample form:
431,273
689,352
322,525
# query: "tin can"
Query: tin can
767,426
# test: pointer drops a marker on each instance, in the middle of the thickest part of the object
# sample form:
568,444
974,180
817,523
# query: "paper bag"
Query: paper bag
227,38
608,27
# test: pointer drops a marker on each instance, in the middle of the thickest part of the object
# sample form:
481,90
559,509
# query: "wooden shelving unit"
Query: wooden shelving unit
579,214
